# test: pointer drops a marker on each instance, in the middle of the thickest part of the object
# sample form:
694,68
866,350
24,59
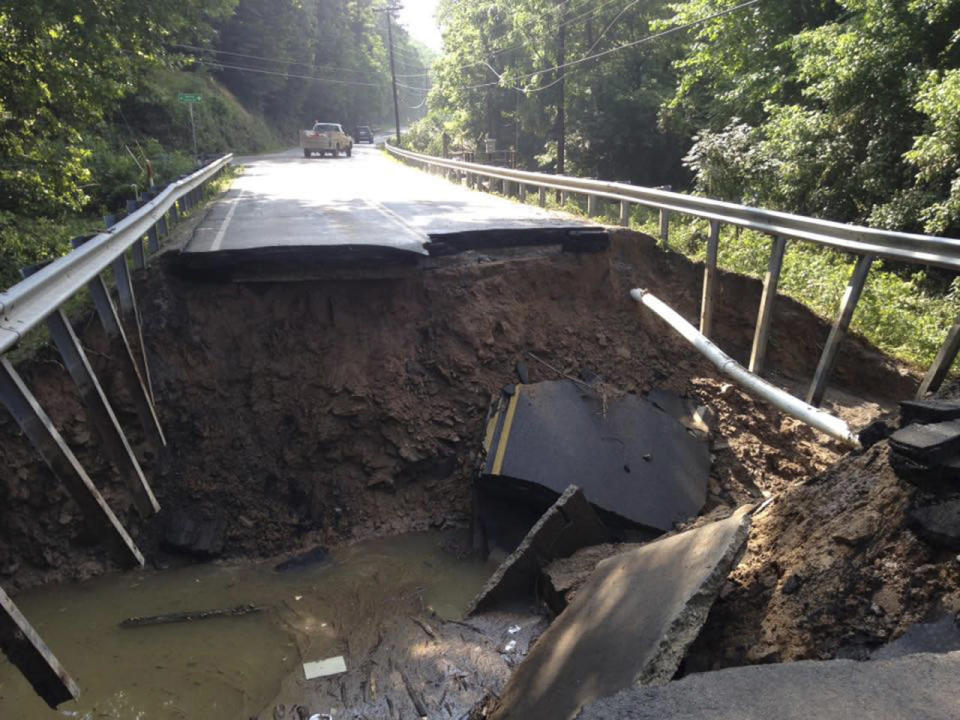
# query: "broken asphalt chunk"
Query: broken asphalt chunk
928,444
928,411
629,624
567,526
918,687
635,463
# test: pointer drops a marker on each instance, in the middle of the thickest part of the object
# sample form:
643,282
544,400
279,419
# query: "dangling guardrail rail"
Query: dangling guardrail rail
39,298
866,243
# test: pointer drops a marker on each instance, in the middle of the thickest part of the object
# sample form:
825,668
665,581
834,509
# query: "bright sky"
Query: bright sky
417,17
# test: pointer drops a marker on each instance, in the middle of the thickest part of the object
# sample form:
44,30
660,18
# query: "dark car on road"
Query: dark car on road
363,134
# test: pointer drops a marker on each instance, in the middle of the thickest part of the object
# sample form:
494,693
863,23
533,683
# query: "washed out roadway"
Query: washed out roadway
285,201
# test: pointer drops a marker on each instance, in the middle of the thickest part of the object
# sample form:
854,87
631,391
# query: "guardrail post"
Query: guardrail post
762,333
25,649
591,205
941,363
37,426
709,280
128,309
542,196
507,188
564,196
523,192
850,299
665,228
175,212
139,259
123,353
100,413
624,213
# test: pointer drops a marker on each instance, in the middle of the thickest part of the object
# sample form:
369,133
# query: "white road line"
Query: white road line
215,245
391,215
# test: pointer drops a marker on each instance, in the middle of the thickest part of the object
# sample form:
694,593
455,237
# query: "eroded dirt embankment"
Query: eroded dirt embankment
330,411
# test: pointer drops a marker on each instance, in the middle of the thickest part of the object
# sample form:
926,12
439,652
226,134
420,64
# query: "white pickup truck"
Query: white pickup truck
325,138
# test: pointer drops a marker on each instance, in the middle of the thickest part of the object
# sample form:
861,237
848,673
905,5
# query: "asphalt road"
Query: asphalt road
286,200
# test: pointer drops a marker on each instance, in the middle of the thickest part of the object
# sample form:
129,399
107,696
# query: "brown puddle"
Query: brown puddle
225,667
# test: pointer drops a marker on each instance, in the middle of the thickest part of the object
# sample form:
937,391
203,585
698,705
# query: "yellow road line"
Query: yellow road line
505,433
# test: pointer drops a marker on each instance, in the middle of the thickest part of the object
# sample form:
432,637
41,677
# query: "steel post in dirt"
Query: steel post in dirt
851,297
761,335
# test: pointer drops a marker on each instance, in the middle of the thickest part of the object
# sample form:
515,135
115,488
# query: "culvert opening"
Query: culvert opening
337,412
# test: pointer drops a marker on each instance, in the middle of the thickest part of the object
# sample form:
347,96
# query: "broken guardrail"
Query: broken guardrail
866,243
780,399
40,297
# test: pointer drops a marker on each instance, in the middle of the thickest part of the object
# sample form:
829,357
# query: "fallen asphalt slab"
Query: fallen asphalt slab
634,462
912,687
629,624
567,526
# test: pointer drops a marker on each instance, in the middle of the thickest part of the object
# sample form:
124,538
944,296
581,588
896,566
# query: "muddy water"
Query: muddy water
224,667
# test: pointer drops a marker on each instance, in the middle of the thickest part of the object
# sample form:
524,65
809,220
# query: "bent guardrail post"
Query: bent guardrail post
709,280
123,353
851,297
98,409
39,429
101,414
771,280
941,363
24,648
130,313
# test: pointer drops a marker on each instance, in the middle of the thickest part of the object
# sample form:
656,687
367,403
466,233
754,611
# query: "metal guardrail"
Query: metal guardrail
27,303
866,243
39,298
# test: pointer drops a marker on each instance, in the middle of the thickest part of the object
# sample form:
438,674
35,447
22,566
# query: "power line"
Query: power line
609,51
267,59
293,75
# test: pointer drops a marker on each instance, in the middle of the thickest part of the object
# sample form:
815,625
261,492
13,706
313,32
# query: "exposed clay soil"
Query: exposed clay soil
329,411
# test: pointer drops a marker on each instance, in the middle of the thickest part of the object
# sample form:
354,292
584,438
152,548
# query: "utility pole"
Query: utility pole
561,114
390,9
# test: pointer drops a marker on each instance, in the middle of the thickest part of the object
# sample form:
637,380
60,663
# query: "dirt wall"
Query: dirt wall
328,411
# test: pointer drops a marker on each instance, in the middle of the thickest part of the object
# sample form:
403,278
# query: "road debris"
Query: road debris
630,623
322,668
190,616
568,525
556,433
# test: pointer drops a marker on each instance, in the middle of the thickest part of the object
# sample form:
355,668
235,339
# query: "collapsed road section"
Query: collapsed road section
322,413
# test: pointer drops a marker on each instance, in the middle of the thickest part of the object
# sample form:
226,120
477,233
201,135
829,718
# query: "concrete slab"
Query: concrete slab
928,444
567,526
914,687
632,461
25,649
630,623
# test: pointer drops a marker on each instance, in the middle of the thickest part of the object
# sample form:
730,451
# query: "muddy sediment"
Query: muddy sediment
324,412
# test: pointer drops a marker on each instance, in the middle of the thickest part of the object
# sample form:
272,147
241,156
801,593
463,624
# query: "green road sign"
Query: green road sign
188,98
